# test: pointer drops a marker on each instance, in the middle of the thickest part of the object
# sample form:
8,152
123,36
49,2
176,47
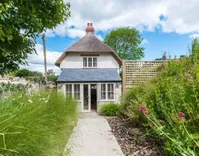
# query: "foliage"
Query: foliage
170,105
8,87
21,21
36,124
52,78
50,72
126,42
110,109
23,73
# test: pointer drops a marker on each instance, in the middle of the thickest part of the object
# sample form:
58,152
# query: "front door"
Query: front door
93,97
86,101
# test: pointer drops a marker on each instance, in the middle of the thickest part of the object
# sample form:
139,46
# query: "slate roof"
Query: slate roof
89,75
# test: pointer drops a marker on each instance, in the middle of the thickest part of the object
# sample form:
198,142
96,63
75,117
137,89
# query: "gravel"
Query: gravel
132,140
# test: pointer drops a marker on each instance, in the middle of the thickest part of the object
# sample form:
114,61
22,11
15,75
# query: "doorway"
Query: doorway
93,97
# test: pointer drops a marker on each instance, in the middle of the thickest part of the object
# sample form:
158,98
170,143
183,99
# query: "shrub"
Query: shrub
35,124
170,106
110,109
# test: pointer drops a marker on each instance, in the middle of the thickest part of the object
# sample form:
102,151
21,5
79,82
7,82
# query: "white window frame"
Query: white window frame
92,57
79,92
73,90
107,99
69,93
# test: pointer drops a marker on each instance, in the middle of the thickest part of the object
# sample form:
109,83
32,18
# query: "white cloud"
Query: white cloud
194,36
73,33
100,37
145,41
181,16
36,61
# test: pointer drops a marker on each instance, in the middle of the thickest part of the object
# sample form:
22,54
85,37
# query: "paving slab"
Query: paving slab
92,137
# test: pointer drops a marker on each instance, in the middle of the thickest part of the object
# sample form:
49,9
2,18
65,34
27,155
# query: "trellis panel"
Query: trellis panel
139,72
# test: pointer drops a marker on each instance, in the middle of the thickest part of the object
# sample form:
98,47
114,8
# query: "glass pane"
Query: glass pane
68,89
103,91
110,91
77,91
84,62
94,62
90,62
86,97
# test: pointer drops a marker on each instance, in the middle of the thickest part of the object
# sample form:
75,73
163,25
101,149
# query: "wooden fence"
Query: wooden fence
138,72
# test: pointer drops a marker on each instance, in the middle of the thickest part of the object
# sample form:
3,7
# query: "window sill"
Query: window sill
107,100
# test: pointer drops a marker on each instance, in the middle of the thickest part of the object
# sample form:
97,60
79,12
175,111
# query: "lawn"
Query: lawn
36,124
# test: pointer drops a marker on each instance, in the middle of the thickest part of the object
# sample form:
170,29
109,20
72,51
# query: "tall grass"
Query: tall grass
36,124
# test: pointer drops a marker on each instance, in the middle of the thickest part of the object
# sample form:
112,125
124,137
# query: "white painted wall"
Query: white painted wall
118,88
75,60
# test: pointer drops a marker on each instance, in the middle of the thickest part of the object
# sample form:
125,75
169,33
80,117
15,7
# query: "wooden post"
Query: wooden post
123,76
45,64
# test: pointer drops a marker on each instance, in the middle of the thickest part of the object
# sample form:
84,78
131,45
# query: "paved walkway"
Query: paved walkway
92,137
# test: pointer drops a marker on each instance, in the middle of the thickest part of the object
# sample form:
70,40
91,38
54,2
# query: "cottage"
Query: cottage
90,72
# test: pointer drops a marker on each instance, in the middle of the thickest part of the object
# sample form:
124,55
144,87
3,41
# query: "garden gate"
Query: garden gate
138,72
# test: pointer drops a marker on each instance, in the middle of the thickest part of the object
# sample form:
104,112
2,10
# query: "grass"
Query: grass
110,109
36,124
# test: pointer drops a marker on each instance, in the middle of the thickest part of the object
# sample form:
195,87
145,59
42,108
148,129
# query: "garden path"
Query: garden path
92,137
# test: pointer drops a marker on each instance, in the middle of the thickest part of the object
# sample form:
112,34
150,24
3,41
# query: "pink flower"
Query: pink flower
181,116
160,121
142,108
151,125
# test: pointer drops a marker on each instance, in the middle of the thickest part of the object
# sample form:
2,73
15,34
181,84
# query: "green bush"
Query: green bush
170,105
36,124
110,109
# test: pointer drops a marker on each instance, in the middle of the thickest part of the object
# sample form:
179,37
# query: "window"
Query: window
77,91
94,62
103,91
107,91
89,62
85,62
73,90
69,90
110,91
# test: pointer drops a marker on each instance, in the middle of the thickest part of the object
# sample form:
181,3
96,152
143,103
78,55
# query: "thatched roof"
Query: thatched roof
89,44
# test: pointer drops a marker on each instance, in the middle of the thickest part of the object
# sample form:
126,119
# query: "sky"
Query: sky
165,25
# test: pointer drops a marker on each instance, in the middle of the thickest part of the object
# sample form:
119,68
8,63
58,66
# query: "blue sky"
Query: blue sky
165,25
155,43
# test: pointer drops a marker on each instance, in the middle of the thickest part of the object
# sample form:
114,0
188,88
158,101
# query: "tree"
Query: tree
51,75
21,22
126,42
23,73
50,72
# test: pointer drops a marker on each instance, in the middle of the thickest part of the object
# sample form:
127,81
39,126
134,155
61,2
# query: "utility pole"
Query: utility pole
45,65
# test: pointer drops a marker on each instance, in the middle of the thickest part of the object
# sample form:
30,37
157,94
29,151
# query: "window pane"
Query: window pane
84,62
110,91
94,62
103,91
90,62
77,91
68,89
